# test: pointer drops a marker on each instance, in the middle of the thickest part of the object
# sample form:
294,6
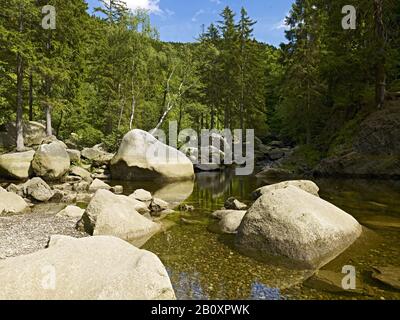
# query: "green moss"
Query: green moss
395,86
343,141
304,158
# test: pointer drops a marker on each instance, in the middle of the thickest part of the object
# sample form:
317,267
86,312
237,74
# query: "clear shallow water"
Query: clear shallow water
205,265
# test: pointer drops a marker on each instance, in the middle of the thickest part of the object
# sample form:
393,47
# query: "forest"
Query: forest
94,206
100,75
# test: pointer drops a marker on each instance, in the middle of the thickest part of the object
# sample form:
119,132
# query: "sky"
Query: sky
182,20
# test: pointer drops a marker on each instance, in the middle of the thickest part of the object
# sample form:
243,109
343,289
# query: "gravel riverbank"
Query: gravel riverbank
30,232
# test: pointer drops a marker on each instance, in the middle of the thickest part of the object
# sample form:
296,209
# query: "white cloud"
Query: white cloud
281,24
169,12
216,1
197,14
152,6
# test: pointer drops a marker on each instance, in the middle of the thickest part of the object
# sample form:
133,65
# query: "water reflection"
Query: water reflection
260,291
204,265
175,193
217,183
188,286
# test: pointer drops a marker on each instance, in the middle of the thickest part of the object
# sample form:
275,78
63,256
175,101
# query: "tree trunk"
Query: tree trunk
132,112
133,107
49,129
30,96
121,113
180,116
308,115
242,88
241,116
122,106
212,117
20,87
226,117
48,107
163,117
380,74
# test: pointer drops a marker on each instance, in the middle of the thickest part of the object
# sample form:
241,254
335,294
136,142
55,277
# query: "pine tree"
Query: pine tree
113,10
303,86
211,75
17,53
229,65
245,33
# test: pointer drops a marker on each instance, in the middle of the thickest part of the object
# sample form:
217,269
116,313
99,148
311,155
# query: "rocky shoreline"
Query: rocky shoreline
69,208
24,234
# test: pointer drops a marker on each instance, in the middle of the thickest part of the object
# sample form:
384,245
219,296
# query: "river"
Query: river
205,265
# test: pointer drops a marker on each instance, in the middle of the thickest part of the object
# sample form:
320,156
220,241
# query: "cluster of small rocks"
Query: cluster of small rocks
271,153
230,216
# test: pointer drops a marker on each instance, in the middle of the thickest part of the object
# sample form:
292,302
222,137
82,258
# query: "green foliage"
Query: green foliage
304,158
104,75
343,141
328,75
89,136
395,86
113,140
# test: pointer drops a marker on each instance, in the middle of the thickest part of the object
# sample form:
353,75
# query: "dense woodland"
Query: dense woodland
100,75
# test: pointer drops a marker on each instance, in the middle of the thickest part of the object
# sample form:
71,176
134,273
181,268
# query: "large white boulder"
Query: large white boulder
141,195
34,133
142,156
38,190
51,161
95,268
11,203
50,139
208,159
231,222
16,165
97,185
71,212
139,206
220,214
115,215
297,225
305,185
82,173
97,155
74,155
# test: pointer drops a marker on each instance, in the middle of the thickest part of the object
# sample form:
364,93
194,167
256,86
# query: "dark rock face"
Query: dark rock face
275,174
376,149
360,165
380,133
276,154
